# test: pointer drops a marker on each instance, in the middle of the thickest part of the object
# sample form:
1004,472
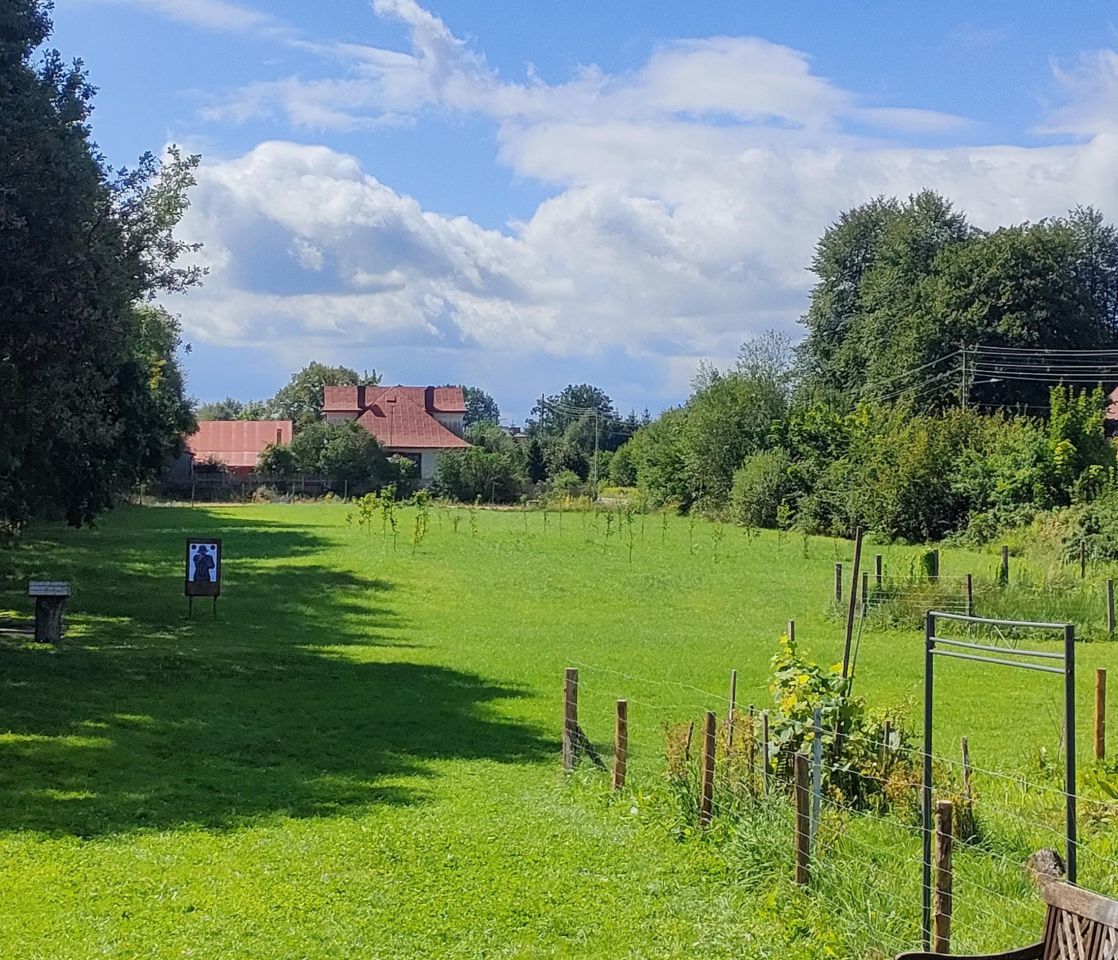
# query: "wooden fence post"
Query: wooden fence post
803,818
865,593
792,631
1110,607
706,800
1082,560
733,710
933,571
621,745
969,585
1003,570
941,914
570,718
765,752
1100,714
838,583
877,569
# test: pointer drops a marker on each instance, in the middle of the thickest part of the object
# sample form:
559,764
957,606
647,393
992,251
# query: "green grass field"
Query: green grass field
360,756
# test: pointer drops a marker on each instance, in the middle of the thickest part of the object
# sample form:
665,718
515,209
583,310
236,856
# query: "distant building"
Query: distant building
235,443
416,422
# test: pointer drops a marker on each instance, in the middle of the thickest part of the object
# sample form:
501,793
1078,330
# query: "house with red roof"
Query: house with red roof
236,443
416,422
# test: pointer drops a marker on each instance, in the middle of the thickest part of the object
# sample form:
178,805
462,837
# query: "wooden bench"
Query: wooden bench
50,599
1080,925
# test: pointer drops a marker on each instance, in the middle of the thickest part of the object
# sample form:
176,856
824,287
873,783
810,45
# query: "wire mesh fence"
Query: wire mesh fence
865,869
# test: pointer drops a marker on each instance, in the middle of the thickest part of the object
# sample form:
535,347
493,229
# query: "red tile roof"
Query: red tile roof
401,418
433,399
237,443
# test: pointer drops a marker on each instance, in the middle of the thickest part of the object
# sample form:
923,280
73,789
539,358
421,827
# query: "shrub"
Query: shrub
861,771
402,471
277,460
761,484
477,475
566,483
623,468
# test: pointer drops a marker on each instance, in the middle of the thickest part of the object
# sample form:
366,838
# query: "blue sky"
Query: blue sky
523,195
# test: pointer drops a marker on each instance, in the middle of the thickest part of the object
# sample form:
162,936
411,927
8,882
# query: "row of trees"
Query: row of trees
91,394
572,442
876,419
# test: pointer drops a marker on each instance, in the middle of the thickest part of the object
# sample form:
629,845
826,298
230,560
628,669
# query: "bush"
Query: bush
761,484
477,474
277,460
566,483
346,452
623,468
1095,526
402,471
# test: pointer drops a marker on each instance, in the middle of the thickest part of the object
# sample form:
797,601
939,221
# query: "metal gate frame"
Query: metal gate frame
1066,668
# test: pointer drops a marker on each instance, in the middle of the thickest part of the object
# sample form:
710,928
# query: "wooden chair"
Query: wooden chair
1080,925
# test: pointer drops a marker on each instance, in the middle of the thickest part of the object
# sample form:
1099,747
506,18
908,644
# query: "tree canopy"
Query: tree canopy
91,396
300,400
906,287
480,407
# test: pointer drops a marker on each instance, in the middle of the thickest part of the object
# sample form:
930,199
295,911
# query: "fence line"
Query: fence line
865,839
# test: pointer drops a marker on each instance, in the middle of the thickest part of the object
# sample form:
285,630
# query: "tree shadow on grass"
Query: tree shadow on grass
295,702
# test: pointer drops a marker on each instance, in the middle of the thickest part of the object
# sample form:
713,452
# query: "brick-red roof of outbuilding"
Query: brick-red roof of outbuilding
237,443
401,417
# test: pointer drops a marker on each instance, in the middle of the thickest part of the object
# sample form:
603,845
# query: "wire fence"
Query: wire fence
865,868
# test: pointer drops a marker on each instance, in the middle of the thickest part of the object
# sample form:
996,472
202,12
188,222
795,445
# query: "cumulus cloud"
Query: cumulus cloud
688,195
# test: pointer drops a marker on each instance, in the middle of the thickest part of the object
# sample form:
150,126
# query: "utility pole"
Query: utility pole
596,422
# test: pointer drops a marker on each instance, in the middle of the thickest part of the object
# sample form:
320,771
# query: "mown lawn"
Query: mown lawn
359,756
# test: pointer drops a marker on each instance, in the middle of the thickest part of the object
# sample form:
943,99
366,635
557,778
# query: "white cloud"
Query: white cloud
218,15
689,195
1090,91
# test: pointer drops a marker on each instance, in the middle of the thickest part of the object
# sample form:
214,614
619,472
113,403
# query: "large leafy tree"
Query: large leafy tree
904,286
345,452
573,424
480,407
90,394
301,399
